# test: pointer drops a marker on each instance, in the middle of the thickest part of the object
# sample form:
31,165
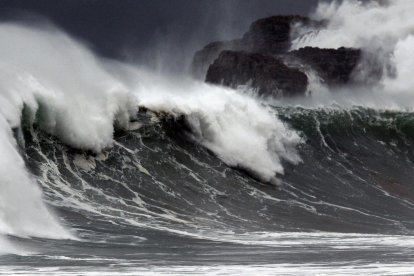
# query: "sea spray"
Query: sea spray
22,212
369,24
63,85
384,31
6,247
237,128
62,88
67,92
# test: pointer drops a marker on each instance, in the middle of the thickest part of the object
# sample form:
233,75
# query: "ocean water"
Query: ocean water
110,168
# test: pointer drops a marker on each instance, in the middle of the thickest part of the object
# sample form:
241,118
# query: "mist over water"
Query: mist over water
370,24
384,31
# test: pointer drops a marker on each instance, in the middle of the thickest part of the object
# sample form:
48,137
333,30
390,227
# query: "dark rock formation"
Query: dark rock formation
262,72
268,36
261,59
272,35
205,57
334,66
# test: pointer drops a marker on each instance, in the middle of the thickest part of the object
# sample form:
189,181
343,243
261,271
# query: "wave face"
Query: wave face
40,78
53,83
109,167
354,177
158,199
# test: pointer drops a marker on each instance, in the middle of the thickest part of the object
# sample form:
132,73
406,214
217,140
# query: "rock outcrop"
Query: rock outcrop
268,75
272,35
261,59
267,36
205,57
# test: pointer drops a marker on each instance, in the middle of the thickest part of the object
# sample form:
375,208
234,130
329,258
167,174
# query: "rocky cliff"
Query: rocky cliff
269,76
267,36
262,60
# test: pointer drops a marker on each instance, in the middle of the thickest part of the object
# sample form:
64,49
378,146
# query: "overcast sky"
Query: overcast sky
132,27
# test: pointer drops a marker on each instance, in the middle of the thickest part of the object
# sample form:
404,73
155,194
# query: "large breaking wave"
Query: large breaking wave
50,80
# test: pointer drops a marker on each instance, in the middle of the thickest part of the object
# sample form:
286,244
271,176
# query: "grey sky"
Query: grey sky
133,27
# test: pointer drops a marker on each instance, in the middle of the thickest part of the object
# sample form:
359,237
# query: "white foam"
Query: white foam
384,29
7,248
69,94
75,99
369,24
237,128
22,211
78,101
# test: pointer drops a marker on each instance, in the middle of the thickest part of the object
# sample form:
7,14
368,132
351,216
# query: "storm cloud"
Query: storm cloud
131,29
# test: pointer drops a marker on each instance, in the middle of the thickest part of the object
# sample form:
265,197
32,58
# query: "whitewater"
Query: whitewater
109,167
53,81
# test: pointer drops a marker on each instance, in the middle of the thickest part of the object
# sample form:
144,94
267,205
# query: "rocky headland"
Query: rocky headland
262,59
